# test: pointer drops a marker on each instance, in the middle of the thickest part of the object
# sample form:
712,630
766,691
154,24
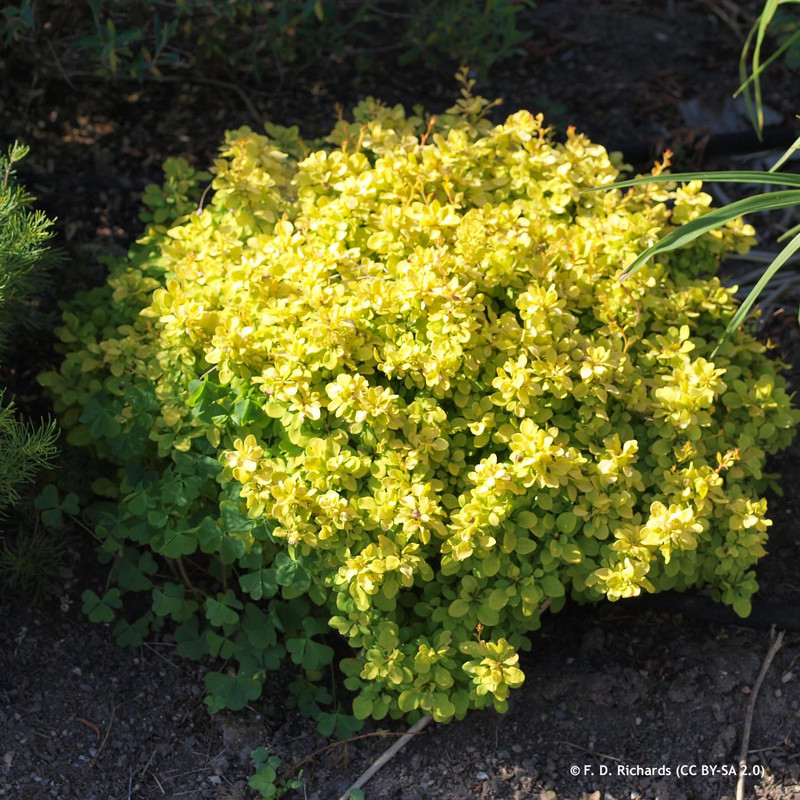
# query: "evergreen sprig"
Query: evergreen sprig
25,258
25,448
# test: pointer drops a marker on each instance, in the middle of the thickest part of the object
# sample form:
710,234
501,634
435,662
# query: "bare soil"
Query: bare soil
622,701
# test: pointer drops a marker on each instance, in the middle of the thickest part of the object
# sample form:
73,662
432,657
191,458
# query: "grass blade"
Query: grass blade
763,23
795,229
750,84
723,176
745,80
714,219
788,154
744,308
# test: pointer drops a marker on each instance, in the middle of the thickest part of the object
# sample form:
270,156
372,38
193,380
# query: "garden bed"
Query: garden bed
621,700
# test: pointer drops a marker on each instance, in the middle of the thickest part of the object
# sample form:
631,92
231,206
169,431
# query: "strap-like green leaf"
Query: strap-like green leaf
725,176
793,231
789,151
745,80
714,219
762,65
750,84
763,23
744,308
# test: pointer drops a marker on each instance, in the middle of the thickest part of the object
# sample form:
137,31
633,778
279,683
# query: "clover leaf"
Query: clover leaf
230,691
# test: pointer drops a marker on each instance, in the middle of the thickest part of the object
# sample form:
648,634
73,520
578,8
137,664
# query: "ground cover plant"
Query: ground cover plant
388,385
150,39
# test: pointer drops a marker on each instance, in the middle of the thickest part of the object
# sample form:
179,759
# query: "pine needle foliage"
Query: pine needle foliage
25,448
26,255
25,258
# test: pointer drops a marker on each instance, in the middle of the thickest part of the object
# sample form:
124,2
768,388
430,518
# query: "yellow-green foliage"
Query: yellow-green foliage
397,375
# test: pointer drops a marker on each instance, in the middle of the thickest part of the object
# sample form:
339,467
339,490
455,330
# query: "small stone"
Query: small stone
724,683
482,776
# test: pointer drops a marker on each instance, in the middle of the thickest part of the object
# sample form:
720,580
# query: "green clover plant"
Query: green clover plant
265,780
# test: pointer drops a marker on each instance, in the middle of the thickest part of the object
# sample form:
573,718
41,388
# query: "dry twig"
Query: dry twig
389,754
728,12
333,745
105,738
748,720
592,752
258,118
147,765
89,725
155,778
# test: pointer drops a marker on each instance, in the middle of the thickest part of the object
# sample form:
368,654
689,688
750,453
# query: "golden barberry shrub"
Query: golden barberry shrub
392,381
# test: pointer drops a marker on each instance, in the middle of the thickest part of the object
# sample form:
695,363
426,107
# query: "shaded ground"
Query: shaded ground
615,693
